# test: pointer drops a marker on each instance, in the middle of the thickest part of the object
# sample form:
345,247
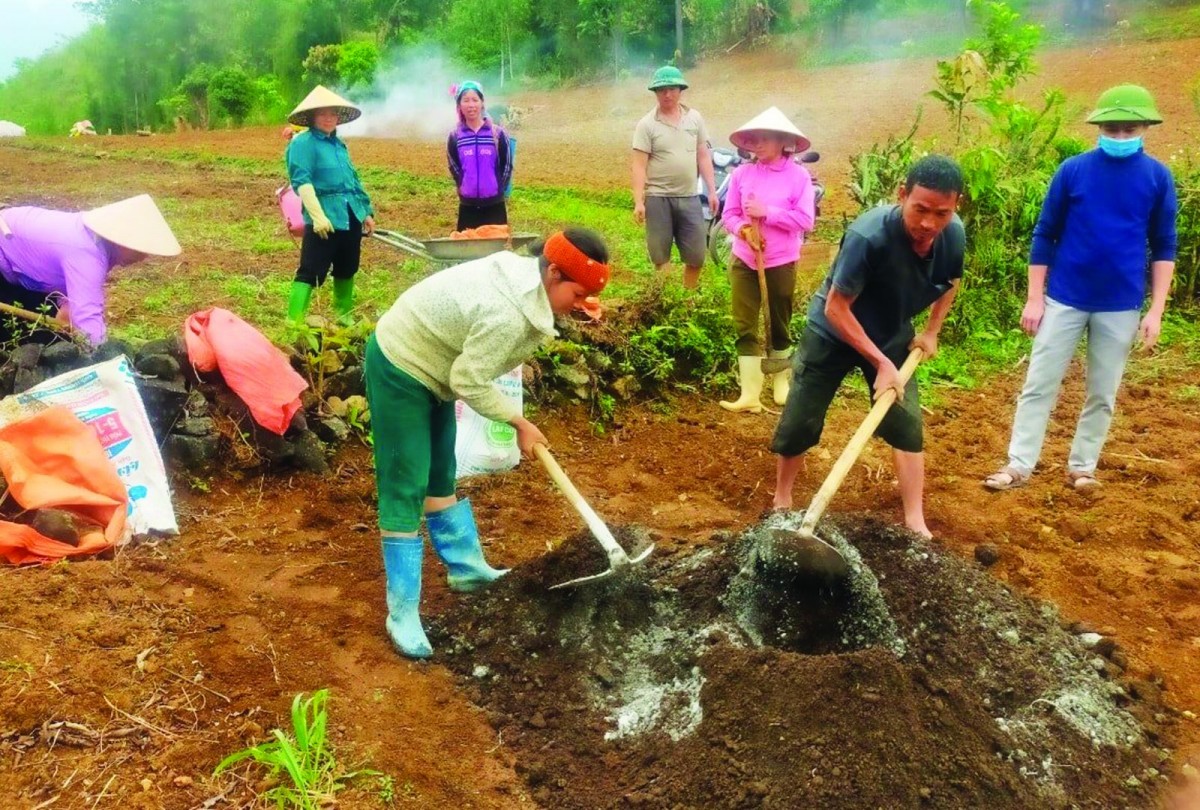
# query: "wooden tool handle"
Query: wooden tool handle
37,317
857,442
759,265
593,521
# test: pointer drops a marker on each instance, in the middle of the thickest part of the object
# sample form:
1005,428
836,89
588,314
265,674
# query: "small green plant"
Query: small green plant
302,756
16,667
387,791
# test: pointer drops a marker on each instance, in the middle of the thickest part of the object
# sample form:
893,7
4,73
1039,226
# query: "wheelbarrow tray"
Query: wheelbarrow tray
448,250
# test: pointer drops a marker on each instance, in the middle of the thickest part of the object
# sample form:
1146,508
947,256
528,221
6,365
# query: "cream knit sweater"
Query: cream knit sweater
464,326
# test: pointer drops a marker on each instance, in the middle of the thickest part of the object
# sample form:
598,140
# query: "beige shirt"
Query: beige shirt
464,326
672,170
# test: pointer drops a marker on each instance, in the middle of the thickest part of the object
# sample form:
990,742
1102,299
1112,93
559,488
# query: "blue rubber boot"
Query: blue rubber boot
456,540
402,563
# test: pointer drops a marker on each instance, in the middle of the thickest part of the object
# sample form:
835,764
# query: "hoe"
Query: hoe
617,558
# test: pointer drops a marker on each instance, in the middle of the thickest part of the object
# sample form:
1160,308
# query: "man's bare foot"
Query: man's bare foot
920,528
782,504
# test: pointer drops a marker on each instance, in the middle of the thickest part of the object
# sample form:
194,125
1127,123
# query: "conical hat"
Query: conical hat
136,224
771,121
318,99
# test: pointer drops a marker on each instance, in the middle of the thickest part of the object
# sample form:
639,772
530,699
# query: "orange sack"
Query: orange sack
483,232
54,460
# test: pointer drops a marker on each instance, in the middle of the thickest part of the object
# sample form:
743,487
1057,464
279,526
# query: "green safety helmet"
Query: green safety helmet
667,76
1125,103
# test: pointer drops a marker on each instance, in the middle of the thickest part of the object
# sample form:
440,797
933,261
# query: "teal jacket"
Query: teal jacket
323,160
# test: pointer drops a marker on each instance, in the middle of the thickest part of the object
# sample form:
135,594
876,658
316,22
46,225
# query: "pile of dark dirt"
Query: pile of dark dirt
705,680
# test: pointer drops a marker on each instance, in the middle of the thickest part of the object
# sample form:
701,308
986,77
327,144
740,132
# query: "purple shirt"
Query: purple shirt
53,252
786,189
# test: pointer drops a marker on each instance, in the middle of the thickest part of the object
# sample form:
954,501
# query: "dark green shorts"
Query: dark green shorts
413,432
818,370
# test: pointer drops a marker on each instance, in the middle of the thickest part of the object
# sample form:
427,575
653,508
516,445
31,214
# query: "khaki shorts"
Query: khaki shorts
679,221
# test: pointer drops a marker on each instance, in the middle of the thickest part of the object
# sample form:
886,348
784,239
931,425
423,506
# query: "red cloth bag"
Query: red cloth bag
257,371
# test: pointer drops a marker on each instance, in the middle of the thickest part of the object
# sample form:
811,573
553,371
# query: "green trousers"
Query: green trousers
413,433
747,306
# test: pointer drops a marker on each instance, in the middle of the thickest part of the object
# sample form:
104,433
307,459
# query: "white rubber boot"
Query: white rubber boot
750,375
781,382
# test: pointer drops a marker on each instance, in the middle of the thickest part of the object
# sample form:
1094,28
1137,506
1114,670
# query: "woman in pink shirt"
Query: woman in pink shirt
769,202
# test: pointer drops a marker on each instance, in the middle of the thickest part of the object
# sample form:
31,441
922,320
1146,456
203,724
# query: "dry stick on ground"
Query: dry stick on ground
20,630
139,720
193,683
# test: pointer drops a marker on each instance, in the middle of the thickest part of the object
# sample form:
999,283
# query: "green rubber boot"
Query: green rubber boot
299,302
343,300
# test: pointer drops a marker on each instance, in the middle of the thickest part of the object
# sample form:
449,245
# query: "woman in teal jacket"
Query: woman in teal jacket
337,212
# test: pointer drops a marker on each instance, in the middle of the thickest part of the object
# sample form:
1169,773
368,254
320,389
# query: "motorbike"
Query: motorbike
720,241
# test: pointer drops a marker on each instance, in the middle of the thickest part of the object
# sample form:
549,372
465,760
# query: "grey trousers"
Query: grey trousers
1110,337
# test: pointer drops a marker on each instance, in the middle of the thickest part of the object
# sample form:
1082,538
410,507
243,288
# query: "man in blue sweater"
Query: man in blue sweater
1105,212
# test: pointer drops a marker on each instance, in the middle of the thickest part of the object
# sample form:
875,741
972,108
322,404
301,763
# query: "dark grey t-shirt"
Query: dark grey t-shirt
892,284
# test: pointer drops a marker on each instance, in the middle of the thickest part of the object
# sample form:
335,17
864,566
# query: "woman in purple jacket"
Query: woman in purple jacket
480,157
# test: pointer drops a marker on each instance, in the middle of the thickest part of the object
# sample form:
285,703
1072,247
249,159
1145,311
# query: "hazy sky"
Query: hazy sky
30,27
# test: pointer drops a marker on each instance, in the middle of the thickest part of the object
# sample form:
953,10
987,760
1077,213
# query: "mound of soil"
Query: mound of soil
704,679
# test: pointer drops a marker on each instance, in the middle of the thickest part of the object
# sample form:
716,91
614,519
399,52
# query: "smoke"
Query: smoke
410,97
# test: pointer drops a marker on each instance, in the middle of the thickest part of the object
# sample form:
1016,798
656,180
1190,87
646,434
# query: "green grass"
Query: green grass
303,757
1155,22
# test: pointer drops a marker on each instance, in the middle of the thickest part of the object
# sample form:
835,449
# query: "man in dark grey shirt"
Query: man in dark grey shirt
894,263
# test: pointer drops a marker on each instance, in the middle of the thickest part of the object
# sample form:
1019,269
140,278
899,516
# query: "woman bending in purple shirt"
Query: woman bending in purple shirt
60,260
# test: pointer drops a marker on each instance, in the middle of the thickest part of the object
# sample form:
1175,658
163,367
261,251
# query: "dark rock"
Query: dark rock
310,453
987,554
162,366
537,721
346,383
63,356
332,429
26,355
1106,646
66,527
111,348
151,348
27,378
8,376
274,449
164,401
177,348
196,426
299,423
196,404
193,452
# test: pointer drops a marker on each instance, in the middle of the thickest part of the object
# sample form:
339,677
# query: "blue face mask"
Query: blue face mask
1115,147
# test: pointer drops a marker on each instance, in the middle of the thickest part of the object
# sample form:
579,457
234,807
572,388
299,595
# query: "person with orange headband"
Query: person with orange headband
446,338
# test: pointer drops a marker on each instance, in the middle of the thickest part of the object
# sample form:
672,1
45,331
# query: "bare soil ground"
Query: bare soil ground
125,680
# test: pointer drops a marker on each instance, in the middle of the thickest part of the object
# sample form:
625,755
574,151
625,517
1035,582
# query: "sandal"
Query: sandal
1082,481
1006,478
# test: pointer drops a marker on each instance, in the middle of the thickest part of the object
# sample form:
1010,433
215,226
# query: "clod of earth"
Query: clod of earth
711,681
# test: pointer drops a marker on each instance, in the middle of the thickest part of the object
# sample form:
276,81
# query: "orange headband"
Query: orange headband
575,264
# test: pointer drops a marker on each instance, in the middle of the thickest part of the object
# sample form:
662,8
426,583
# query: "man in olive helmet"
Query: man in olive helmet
670,148
1105,212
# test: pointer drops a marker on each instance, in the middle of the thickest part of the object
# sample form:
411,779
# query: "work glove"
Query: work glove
322,227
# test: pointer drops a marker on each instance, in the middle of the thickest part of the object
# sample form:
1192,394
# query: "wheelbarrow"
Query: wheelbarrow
446,250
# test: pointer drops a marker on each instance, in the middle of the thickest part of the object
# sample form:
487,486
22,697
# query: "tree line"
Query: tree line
162,63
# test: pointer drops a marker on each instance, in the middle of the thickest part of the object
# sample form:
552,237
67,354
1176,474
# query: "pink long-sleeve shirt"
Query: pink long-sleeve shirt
54,252
786,189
